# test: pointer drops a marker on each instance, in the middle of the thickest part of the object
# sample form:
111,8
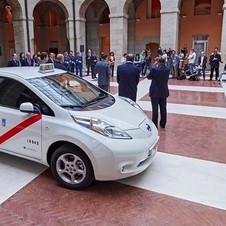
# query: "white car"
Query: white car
82,132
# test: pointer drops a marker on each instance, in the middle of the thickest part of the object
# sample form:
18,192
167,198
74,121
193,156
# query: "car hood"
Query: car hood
121,114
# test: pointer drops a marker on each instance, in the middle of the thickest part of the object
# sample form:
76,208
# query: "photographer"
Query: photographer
159,91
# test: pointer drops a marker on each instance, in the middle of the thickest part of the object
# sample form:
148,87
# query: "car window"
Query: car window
13,93
68,90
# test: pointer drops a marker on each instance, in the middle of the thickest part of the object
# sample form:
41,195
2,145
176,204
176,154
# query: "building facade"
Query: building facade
106,25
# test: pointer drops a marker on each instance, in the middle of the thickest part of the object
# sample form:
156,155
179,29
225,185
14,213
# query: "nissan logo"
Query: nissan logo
148,127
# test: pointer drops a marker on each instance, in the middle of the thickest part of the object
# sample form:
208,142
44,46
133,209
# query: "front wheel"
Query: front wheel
71,167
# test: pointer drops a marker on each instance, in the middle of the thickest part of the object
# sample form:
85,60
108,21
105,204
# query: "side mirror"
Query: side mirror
28,107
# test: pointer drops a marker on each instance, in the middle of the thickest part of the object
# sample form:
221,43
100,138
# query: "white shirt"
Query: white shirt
123,60
191,58
202,58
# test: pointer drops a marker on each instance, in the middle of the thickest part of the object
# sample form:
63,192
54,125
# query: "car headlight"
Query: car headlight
102,127
131,102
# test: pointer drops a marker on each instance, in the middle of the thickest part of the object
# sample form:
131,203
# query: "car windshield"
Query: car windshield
68,91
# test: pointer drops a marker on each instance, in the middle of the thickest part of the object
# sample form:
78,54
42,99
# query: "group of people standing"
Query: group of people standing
24,60
188,63
91,61
142,60
128,77
65,61
214,62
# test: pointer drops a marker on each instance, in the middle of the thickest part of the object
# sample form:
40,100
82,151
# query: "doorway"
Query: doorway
200,43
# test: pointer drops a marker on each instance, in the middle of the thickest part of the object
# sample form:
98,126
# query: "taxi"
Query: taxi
83,133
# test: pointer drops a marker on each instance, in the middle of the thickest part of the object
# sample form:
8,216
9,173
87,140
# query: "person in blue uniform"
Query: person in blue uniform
78,64
102,68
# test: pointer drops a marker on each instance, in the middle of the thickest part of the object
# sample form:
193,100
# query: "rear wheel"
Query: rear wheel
71,167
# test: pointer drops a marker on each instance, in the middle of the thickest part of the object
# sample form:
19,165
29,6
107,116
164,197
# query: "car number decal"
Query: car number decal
18,128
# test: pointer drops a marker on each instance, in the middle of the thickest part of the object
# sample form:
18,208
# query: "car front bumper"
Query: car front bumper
129,158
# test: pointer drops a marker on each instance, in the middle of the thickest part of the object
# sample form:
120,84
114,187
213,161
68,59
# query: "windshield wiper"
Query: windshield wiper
71,106
93,101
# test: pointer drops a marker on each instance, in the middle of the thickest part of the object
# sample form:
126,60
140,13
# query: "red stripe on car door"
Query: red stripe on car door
18,128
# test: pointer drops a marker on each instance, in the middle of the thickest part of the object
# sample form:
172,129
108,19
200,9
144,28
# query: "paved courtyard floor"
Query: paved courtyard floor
184,186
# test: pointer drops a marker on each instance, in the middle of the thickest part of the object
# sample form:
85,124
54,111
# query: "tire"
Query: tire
71,167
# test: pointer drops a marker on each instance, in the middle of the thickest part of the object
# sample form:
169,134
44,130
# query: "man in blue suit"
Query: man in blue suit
59,62
128,76
102,68
13,62
159,91
29,61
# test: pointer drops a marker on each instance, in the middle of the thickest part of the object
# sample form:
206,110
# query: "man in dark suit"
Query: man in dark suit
13,62
93,61
128,76
88,61
29,61
159,91
102,68
72,61
215,59
202,63
51,58
59,62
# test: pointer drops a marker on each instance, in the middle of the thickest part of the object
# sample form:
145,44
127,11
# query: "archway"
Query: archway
50,28
98,27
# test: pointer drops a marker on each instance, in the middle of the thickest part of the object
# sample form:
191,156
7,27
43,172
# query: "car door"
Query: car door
20,133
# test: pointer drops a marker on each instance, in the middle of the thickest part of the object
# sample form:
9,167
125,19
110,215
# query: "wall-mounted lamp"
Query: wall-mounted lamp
184,16
137,19
219,13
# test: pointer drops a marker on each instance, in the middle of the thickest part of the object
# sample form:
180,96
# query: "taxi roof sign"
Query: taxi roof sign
46,68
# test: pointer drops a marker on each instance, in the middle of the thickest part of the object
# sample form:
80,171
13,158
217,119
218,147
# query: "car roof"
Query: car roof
28,72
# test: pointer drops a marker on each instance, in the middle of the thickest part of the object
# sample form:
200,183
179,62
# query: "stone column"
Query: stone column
93,40
223,38
70,33
31,34
19,27
118,35
131,35
169,34
80,24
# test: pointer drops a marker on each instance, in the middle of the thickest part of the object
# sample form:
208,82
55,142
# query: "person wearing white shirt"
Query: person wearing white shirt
191,61
123,59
